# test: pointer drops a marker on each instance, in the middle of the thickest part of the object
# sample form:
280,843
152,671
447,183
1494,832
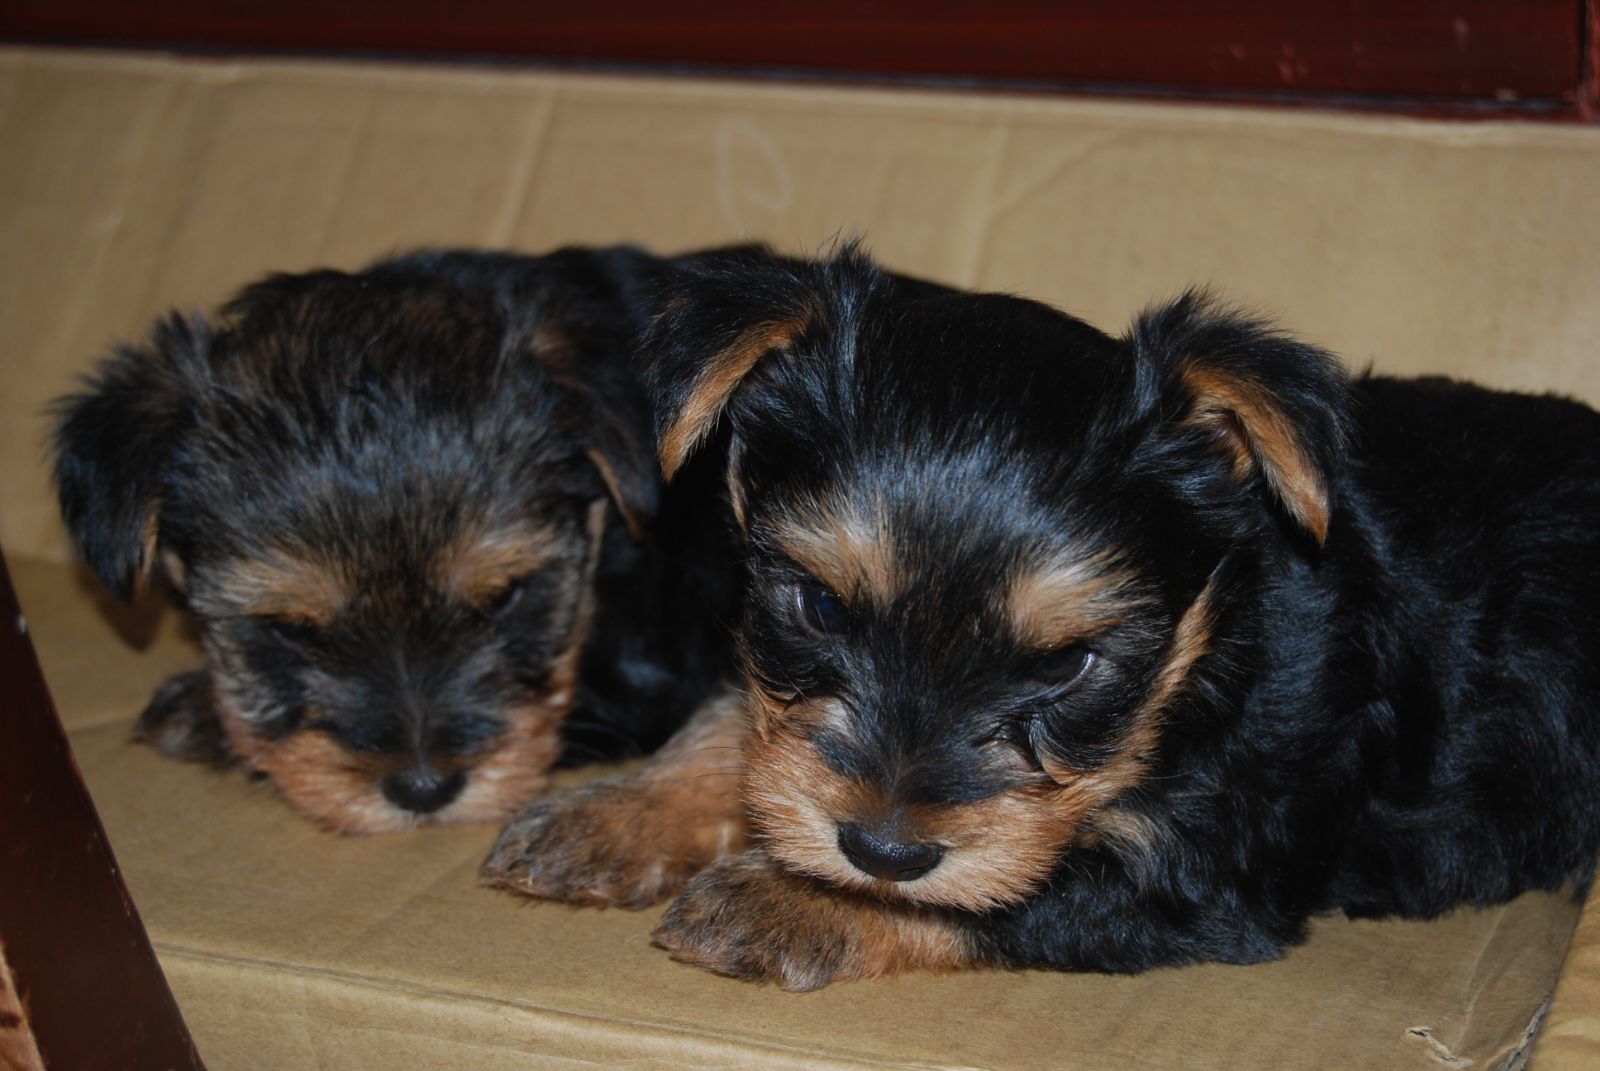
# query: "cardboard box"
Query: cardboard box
133,183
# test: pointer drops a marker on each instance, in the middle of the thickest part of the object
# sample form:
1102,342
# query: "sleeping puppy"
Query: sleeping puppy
415,513
1073,651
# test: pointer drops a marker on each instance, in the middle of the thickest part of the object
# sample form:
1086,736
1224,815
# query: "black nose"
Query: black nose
423,791
884,858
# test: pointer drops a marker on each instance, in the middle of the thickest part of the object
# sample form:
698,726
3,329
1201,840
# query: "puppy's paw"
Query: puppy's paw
182,721
625,843
746,917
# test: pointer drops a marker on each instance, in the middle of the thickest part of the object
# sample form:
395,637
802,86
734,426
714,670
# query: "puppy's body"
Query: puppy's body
1072,651
1398,722
415,513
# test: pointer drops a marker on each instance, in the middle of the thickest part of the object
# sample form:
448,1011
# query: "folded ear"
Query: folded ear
608,413
1281,409
628,471
723,314
113,445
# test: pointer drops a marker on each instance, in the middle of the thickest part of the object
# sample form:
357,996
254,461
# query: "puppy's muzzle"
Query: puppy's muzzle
872,852
423,791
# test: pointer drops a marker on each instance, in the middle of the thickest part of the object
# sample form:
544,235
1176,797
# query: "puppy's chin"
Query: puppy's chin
340,790
996,850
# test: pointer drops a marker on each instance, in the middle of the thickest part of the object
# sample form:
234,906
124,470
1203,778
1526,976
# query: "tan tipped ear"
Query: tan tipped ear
1259,435
608,476
173,571
715,384
149,541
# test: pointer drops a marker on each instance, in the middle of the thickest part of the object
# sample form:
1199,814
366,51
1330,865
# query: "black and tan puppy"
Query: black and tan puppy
1082,652
416,514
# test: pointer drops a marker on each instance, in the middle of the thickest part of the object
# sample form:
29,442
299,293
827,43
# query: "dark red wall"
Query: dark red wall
1505,55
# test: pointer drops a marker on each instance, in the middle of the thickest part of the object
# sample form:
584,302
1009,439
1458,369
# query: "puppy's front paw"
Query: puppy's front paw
625,842
746,917
182,721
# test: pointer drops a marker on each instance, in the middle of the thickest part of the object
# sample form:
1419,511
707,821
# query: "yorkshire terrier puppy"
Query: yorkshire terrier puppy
416,515
1086,652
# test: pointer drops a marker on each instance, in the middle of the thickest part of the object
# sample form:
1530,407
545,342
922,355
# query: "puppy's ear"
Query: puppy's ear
628,471
611,417
723,314
113,446
1279,408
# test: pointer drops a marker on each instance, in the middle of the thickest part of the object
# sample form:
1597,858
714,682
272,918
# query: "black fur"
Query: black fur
366,422
1396,719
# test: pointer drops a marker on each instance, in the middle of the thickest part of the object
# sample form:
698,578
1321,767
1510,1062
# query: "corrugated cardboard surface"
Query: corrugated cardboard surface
128,184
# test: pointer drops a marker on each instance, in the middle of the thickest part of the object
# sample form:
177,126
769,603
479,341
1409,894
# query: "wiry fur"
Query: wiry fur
1345,648
416,514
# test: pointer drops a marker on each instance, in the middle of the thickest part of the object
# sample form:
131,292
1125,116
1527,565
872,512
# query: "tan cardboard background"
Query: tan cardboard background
290,948
129,184
133,184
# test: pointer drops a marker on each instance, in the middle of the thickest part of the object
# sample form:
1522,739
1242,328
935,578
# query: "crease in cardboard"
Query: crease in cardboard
519,173
1437,1050
1518,1057
766,182
352,147
986,201
1477,983
303,974
1484,975
463,874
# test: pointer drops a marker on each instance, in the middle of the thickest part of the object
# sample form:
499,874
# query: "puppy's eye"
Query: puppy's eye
291,631
1065,666
507,598
820,611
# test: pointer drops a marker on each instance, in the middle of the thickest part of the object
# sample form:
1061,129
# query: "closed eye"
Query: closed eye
1064,667
292,632
507,598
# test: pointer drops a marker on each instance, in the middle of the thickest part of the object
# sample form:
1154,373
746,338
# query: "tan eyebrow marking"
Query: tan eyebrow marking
1061,601
280,585
481,563
851,555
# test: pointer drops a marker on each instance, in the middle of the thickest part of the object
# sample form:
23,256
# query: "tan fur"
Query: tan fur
556,351
1190,640
1064,601
172,569
342,790
851,555
149,537
1131,835
297,589
551,344
1255,429
733,481
481,563
609,477
715,385
748,918
997,849
630,841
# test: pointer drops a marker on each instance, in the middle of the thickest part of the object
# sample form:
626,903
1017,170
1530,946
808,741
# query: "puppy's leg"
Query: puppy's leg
629,841
182,721
747,917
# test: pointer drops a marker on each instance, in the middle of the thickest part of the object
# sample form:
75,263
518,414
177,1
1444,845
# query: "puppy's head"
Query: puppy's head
994,554
383,496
